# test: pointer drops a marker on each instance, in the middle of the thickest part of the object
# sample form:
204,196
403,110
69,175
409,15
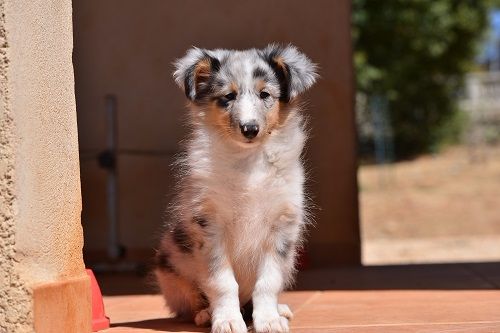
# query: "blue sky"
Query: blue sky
491,48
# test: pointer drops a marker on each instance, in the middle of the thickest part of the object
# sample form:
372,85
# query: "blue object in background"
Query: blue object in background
490,53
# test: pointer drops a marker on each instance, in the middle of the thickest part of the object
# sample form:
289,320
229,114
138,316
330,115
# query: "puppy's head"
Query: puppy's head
244,95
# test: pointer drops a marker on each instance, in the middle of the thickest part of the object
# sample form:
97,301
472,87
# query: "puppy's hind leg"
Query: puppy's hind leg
203,317
181,296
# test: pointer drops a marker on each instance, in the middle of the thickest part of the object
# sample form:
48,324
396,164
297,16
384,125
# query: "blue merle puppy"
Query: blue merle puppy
240,211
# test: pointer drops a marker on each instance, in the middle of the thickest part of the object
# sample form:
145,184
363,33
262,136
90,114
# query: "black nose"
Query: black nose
249,130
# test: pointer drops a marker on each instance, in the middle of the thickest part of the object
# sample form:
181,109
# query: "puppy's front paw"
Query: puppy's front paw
229,324
270,323
285,311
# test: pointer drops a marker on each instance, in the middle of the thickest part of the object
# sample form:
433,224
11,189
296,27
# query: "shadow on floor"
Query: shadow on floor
174,325
467,276
412,277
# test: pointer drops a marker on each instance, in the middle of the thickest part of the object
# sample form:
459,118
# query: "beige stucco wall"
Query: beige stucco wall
41,234
15,298
126,48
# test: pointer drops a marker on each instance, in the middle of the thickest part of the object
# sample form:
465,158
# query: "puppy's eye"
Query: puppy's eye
264,94
230,96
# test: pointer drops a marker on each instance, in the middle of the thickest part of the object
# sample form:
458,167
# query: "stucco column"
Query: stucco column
44,287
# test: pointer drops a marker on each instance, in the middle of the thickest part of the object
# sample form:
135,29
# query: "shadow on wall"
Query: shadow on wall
126,48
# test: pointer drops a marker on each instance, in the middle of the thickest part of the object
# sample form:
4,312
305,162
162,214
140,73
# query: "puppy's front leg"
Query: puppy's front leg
222,291
266,317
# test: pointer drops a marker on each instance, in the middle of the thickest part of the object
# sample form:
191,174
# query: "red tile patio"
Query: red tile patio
429,298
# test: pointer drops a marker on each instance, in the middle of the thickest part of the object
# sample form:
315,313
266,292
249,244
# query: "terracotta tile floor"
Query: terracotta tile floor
428,298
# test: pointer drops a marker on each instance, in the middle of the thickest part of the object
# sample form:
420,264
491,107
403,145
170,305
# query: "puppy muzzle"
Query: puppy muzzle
250,129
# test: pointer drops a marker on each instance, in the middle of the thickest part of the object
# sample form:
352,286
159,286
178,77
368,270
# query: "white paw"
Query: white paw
202,318
285,311
270,323
229,325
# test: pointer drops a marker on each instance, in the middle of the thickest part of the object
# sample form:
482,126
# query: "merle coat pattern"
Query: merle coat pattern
240,211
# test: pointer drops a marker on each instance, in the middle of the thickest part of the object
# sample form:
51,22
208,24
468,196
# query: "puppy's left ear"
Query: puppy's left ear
293,69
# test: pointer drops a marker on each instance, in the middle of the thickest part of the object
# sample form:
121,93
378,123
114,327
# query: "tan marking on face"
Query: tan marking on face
277,116
273,118
218,118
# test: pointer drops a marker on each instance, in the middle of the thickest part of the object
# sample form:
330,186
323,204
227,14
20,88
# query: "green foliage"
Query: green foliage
451,131
415,53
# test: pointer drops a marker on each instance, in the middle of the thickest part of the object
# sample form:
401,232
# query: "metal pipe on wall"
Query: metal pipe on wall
115,250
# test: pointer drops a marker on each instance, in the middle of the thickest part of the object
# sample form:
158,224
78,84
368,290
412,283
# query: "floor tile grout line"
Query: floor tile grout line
307,301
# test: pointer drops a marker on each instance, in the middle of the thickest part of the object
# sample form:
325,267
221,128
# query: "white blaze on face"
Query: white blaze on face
246,106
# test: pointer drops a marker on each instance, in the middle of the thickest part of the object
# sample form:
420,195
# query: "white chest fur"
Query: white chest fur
255,192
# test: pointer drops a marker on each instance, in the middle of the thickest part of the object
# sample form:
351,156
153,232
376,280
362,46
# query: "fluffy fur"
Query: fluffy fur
239,215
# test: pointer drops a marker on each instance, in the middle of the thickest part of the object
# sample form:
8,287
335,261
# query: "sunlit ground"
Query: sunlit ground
440,208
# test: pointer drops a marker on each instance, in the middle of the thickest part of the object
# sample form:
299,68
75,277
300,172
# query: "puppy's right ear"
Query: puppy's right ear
193,71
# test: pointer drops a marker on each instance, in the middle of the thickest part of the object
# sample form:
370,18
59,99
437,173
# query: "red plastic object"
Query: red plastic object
99,319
